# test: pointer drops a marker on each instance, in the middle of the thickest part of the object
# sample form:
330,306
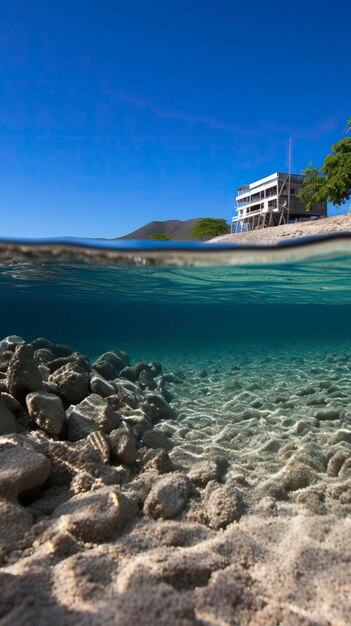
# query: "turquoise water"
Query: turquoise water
231,463
96,306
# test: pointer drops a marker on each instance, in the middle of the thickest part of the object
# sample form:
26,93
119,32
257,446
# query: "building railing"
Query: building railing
242,191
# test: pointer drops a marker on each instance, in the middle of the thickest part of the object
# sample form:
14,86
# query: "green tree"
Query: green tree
209,227
159,237
332,182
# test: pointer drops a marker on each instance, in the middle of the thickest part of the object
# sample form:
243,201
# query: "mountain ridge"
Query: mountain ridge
176,230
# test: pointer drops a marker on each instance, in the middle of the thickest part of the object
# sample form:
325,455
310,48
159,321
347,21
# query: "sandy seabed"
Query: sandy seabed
214,491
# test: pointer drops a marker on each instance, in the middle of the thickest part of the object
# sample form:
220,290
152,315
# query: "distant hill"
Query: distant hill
176,230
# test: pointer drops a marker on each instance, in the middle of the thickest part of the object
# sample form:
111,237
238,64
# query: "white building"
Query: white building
272,201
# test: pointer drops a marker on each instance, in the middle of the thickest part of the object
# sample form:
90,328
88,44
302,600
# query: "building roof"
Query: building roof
269,179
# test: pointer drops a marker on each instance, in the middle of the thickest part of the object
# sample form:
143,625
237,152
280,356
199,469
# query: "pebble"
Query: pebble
122,445
93,413
168,496
155,439
22,468
223,504
327,414
101,386
47,411
72,382
105,369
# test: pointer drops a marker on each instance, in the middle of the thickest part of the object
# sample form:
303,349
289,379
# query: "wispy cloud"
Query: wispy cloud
310,133
190,118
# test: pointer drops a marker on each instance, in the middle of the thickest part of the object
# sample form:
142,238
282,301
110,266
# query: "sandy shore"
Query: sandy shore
210,491
269,236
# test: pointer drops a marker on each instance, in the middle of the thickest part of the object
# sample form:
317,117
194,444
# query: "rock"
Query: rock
76,358
130,373
327,414
11,342
316,400
15,522
155,368
8,422
341,435
203,374
146,380
105,369
47,411
130,397
57,349
68,459
207,470
157,461
93,413
100,386
96,516
43,355
155,439
44,373
117,358
306,391
223,504
163,408
138,422
60,350
168,496
72,382
122,445
22,468
336,461
12,404
23,374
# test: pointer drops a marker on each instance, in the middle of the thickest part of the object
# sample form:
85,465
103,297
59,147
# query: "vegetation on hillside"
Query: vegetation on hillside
209,227
332,182
159,237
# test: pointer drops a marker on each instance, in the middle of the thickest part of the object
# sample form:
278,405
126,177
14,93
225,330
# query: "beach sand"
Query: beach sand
276,234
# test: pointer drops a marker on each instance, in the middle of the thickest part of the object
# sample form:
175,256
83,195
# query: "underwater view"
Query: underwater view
175,434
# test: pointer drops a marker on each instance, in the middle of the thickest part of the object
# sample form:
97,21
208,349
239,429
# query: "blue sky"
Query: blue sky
117,112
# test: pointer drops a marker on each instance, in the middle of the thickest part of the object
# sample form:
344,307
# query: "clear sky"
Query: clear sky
117,112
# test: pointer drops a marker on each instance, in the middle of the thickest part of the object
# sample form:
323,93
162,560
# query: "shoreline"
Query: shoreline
285,232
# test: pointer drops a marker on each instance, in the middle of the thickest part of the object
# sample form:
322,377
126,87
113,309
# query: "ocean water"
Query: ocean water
168,309
240,494
243,331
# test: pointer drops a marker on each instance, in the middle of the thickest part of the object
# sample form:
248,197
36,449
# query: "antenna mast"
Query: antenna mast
289,177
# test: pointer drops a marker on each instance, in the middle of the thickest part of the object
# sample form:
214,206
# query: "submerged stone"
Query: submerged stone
168,496
47,411
22,468
23,375
97,516
93,413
